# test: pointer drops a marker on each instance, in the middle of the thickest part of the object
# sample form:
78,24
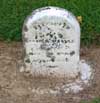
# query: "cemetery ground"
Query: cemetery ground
17,87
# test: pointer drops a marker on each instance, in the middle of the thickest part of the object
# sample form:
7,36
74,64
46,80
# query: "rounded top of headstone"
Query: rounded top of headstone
52,11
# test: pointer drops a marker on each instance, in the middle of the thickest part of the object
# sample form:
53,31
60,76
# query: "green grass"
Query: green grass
95,100
14,12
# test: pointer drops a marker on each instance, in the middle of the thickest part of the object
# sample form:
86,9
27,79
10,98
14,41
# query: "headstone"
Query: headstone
51,37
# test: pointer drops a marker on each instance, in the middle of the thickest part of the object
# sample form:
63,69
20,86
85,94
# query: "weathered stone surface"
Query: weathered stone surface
51,39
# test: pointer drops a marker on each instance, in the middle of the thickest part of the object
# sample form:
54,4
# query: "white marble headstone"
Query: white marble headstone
51,39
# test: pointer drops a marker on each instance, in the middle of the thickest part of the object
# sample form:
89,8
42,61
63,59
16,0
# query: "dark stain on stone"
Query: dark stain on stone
53,41
68,27
65,41
39,27
43,25
48,34
53,59
44,47
66,59
36,37
44,61
53,44
46,40
49,54
62,41
58,53
37,40
49,28
30,53
39,61
67,46
72,53
27,60
60,35
40,40
51,35
25,28
41,36
52,66
72,41
35,27
55,37
58,41
68,41
64,25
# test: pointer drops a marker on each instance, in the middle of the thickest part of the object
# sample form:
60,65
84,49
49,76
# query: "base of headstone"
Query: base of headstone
73,85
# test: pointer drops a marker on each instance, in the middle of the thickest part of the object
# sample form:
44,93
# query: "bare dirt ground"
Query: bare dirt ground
16,87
